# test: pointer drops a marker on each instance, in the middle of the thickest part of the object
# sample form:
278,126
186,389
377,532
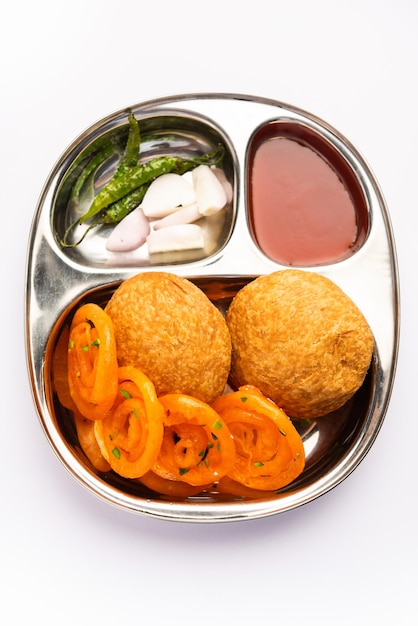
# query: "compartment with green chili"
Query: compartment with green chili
109,180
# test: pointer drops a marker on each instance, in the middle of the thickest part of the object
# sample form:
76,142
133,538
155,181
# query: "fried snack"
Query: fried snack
131,434
197,446
92,362
301,340
168,328
88,442
269,450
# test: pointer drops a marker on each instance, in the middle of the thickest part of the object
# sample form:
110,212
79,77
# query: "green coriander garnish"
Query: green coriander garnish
116,452
125,393
217,424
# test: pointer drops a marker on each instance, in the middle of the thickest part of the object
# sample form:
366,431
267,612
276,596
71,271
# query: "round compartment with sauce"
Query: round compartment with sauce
306,205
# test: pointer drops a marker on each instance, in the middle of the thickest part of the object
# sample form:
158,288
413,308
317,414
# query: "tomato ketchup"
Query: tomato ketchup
302,212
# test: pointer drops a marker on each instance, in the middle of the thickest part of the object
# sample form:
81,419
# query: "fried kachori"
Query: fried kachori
301,340
166,326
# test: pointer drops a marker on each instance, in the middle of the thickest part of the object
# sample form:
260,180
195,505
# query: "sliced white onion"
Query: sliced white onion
221,176
177,237
130,233
210,194
188,176
166,193
185,215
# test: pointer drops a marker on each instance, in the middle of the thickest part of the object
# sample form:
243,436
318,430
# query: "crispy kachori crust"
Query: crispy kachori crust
301,340
167,327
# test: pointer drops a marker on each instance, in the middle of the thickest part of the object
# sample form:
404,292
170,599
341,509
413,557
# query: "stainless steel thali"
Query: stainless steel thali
59,279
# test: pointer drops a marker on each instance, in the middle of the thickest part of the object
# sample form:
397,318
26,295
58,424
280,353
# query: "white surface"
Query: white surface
66,557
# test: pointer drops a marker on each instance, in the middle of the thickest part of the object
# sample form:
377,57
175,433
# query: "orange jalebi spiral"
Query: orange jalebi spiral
131,434
92,362
197,446
270,451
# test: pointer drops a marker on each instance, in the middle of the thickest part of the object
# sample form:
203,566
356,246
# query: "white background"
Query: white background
68,558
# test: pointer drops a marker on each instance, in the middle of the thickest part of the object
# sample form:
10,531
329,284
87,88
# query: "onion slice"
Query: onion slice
210,193
185,215
166,194
174,238
130,233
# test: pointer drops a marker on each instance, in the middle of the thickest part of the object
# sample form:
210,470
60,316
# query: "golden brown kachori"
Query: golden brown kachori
301,340
167,327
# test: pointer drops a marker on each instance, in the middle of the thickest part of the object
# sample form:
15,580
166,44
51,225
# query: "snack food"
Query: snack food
269,450
197,446
168,328
92,362
301,340
130,435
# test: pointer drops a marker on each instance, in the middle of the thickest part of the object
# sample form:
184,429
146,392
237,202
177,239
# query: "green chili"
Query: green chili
113,214
120,209
141,174
125,191
131,155
95,162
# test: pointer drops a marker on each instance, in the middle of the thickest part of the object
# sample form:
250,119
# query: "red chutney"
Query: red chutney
301,212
